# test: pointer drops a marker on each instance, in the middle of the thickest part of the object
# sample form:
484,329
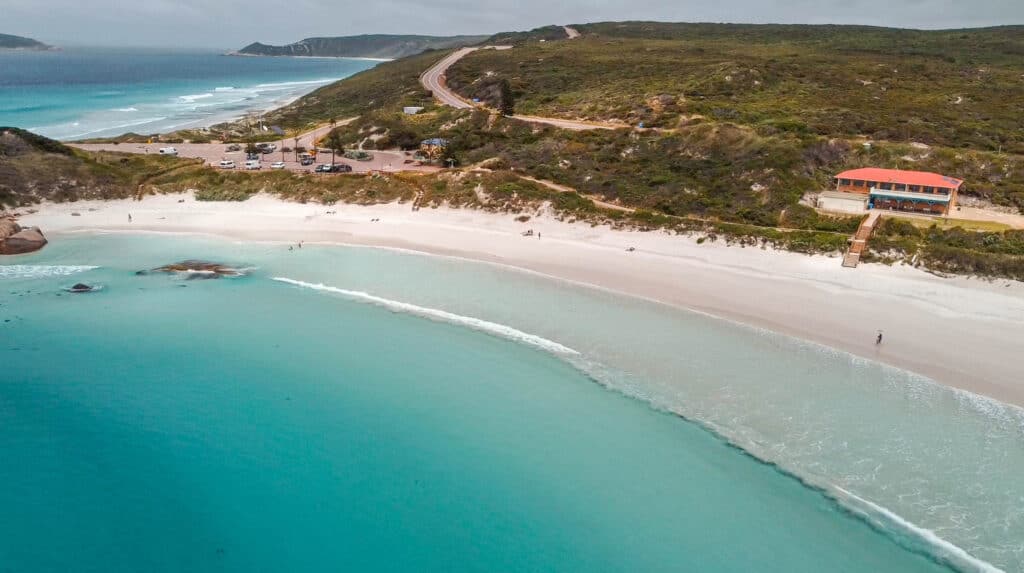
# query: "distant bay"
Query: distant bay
96,92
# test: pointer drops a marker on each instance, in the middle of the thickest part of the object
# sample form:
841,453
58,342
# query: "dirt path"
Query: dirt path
564,189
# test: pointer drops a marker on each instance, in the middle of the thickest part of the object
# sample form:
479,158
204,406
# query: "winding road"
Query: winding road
434,80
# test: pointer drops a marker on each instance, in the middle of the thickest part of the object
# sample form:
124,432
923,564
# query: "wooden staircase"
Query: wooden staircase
860,239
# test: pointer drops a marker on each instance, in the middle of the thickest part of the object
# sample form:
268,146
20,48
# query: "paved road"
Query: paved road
571,32
434,80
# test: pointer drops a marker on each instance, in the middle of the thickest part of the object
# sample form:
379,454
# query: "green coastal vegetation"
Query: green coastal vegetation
11,42
727,131
386,46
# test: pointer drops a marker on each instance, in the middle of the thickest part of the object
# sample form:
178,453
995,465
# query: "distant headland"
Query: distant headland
382,46
11,42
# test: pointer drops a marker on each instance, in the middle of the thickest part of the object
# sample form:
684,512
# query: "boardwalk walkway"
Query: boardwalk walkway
860,239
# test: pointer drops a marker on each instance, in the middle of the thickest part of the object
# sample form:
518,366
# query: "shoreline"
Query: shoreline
960,332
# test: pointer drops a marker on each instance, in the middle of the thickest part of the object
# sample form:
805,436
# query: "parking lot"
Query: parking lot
214,153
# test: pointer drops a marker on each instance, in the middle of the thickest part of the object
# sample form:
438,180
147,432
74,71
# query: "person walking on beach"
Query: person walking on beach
879,339
129,217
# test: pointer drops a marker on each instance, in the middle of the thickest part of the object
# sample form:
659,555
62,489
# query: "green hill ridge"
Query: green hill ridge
384,46
11,42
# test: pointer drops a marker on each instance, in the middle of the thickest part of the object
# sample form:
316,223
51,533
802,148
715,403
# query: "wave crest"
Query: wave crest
493,328
41,271
934,545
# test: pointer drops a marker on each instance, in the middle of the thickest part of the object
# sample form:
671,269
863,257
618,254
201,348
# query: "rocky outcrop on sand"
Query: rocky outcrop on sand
197,270
16,240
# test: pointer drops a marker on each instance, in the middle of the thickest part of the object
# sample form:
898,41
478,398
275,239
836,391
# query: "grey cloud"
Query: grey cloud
232,23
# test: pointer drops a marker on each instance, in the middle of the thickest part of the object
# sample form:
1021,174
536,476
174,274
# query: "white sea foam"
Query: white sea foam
493,328
224,89
105,128
40,271
194,97
287,85
945,550
126,109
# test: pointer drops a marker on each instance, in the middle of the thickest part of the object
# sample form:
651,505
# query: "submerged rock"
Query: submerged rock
197,270
16,240
81,287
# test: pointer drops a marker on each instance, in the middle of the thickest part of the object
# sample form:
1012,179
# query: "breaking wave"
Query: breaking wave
933,545
902,531
492,328
41,271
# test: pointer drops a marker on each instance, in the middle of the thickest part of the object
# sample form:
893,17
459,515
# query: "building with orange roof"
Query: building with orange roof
898,190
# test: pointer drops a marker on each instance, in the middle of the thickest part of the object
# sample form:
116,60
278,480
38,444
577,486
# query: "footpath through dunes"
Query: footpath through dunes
434,80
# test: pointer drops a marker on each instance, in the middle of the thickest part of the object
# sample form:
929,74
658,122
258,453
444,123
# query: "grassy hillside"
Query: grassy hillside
33,168
545,33
389,85
365,46
955,88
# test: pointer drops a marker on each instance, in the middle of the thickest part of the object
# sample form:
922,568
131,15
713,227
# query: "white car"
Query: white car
253,165
277,165
227,164
168,151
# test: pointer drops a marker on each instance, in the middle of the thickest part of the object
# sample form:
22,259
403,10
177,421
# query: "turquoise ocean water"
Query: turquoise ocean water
92,92
363,409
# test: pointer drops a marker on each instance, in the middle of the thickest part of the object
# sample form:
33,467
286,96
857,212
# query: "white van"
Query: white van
168,151
227,164
252,165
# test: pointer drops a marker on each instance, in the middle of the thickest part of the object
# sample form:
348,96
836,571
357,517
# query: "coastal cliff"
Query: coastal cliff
383,46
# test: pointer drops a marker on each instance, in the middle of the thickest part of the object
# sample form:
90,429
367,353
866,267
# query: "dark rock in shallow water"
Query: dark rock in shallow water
81,287
197,270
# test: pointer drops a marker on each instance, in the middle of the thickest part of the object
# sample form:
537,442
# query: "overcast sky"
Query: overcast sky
234,23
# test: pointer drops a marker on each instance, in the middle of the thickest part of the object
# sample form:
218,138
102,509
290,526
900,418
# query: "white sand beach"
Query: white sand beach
963,332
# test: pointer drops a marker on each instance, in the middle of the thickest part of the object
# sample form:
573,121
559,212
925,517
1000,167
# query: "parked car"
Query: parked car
334,168
306,159
251,156
226,164
253,165
234,147
168,151
277,165
266,148
323,168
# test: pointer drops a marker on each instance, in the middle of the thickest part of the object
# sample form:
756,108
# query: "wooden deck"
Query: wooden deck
860,239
